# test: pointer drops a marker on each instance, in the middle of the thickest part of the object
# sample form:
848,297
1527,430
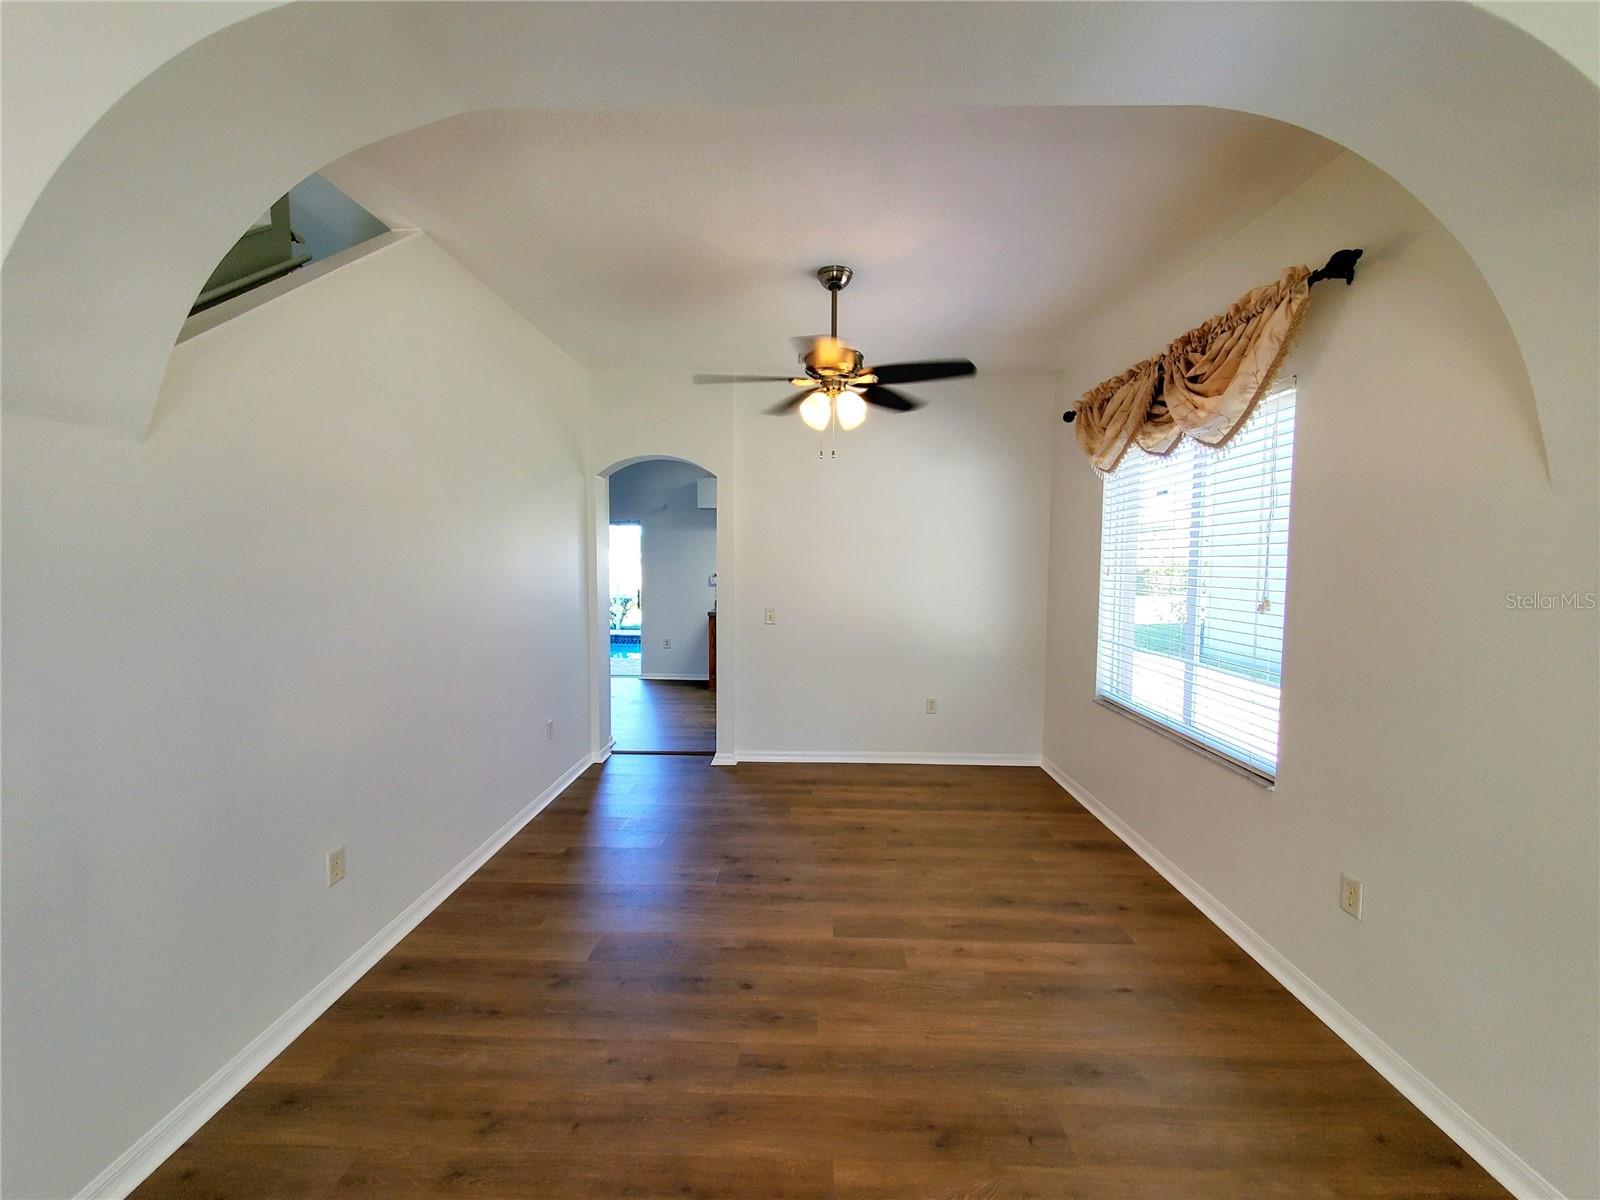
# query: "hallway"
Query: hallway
817,981
663,716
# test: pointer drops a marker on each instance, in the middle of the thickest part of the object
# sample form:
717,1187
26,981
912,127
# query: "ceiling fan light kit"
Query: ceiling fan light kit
837,387
850,407
815,411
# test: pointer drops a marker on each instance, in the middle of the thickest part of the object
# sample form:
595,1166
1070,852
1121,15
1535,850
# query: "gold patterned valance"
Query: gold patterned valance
1206,382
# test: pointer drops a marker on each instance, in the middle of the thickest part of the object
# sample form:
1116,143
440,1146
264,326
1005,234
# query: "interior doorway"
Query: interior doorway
661,611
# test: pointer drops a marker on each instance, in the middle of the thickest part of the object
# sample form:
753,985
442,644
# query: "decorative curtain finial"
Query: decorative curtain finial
1341,264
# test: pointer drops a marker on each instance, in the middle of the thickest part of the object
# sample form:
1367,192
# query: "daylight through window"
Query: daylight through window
1194,558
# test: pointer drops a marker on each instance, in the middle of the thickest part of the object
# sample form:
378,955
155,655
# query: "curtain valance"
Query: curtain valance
1205,383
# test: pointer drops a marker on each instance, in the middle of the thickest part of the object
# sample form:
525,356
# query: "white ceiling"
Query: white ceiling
688,240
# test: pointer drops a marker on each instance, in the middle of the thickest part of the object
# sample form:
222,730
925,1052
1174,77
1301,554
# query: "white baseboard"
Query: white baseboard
677,678
1516,1175
600,755
136,1163
724,760
905,757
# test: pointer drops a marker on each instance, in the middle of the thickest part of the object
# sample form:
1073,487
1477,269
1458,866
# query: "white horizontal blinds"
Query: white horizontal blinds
1194,566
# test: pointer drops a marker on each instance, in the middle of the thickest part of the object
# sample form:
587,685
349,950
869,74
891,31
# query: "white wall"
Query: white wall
910,566
679,553
1436,744
331,600
65,64
1571,30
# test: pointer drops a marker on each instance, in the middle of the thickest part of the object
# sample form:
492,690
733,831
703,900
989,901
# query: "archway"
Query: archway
126,260
718,632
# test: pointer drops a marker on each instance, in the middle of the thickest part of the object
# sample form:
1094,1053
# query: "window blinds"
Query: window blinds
1194,558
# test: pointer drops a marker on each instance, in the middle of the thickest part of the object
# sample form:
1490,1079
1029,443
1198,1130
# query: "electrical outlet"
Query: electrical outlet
550,730
1350,896
666,643
772,616
335,865
931,707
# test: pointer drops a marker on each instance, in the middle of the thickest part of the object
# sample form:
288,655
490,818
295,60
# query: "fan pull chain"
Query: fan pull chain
824,449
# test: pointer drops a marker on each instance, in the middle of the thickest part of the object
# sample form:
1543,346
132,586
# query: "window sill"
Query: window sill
1238,768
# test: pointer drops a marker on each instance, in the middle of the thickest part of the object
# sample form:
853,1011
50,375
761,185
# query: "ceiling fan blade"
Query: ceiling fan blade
917,372
883,397
789,405
742,378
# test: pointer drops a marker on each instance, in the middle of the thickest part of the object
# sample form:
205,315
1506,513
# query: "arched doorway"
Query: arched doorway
661,654
659,549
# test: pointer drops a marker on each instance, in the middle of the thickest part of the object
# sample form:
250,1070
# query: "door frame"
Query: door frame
600,737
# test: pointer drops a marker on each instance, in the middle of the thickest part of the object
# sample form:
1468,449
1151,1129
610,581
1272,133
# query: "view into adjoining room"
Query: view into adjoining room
626,560
662,611
311,223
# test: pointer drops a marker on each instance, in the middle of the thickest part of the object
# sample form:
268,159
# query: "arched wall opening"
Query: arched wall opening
600,687
83,247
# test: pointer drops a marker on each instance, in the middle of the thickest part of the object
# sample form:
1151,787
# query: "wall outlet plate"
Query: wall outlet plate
772,616
550,730
931,707
666,643
1350,896
335,865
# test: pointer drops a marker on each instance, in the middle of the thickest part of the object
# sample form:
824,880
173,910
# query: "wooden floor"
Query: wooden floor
795,981
678,716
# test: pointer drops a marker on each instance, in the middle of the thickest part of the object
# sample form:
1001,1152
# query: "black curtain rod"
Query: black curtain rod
1341,264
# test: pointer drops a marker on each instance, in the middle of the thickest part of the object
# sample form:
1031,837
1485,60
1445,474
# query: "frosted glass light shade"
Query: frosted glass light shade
852,409
815,411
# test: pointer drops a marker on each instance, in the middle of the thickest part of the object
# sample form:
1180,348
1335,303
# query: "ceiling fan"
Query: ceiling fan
836,386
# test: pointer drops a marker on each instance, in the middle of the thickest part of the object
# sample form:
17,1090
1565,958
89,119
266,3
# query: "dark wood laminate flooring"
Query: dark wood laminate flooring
677,716
817,981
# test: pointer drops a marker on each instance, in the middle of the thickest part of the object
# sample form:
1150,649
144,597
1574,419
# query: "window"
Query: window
1194,559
